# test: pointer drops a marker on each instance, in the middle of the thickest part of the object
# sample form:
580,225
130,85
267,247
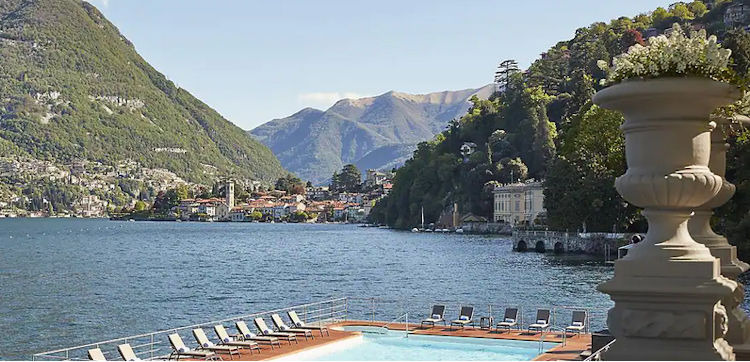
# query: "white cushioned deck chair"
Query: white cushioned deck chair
578,324
300,324
246,335
126,352
437,316
510,319
227,340
179,349
96,354
542,320
205,344
464,318
282,327
264,330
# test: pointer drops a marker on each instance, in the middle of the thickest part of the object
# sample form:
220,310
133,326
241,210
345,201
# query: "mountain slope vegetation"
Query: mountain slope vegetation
72,87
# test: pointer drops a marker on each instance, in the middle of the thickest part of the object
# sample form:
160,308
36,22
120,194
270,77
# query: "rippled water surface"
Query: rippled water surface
71,282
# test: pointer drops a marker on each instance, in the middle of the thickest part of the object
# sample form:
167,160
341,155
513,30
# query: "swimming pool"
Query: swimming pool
378,344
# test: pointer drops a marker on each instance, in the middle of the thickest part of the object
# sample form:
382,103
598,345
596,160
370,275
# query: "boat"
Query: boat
459,231
414,230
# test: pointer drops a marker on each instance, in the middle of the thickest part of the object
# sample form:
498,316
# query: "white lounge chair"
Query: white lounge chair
227,340
179,349
126,352
282,327
205,344
300,324
246,335
264,330
95,354
437,316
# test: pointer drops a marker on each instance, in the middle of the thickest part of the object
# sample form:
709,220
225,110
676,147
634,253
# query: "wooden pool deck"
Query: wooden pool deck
575,344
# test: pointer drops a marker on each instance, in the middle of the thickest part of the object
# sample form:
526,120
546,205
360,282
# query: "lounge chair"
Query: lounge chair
465,318
96,355
264,330
126,352
227,340
542,320
205,344
282,327
578,324
437,316
510,319
246,335
300,324
179,349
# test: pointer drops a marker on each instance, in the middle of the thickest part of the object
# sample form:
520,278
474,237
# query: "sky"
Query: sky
254,60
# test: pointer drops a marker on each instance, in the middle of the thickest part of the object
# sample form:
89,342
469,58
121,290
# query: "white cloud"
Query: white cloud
103,3
324,99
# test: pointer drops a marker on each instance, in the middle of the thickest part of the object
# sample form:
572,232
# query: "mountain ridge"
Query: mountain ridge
73,87
372,132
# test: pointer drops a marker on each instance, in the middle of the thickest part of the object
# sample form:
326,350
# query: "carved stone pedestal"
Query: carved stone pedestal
667,290
738,334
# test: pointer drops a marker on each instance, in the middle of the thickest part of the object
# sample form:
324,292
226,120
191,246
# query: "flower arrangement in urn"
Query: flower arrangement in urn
679,55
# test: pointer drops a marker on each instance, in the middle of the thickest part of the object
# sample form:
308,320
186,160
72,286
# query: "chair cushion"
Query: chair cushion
227,340
578,324
541,321
183,349
266,331
509,320
436,316
463,318
208,344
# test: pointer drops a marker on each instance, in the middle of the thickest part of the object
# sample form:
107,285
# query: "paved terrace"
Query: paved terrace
574,344
333,313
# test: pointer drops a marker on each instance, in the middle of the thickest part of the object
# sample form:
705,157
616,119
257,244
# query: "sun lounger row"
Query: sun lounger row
510,319
229,344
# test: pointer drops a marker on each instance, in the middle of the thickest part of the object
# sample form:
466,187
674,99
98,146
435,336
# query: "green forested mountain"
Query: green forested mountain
72,87
544,126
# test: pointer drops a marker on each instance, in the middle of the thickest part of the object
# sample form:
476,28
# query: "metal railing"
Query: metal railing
154,345
597,355
404,316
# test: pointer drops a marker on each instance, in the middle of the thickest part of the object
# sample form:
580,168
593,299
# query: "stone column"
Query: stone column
738,334
667,290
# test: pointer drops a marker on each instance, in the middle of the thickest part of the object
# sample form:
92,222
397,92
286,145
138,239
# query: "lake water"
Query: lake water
66,282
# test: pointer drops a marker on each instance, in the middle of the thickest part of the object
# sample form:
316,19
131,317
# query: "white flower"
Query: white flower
676,54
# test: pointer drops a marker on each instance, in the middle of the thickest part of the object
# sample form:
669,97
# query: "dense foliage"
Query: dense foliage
72,87
349,179
544,121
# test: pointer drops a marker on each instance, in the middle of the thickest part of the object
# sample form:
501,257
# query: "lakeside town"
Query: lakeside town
123,191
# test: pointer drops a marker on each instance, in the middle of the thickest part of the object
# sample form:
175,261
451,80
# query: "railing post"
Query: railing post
346,308
373,311
152,346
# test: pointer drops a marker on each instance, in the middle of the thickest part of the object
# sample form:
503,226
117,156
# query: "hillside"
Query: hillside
72,87
375,132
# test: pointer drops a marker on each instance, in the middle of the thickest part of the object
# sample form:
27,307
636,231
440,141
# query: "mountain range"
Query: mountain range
72,87
378,132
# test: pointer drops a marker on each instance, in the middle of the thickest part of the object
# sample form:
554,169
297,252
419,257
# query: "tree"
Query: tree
511,170
698,8
182,192
290,184
139,206
256,215
348,180
505,70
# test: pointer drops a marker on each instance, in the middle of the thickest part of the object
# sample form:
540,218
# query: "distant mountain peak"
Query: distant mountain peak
372,132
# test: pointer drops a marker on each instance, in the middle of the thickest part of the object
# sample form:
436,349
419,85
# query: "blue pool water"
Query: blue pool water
392,346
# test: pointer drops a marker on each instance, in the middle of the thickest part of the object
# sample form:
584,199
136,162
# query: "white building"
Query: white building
518,203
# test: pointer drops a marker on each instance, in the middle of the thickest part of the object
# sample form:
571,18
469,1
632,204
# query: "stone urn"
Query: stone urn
667,290
700,229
